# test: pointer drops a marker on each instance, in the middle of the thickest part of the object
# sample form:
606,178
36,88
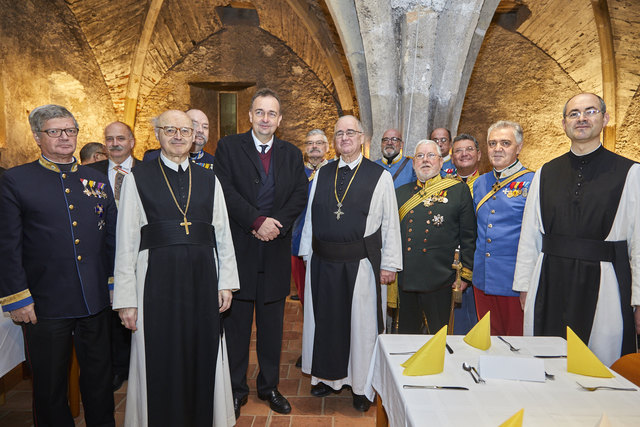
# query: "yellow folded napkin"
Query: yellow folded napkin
604,421
480,335
429,359
580,360
515,420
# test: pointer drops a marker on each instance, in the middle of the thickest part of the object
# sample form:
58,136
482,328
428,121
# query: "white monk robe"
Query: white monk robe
383,213
130,272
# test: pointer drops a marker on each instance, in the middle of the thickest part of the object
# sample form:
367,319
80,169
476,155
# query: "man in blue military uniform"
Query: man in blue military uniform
399,166
442,136
57,226
499,197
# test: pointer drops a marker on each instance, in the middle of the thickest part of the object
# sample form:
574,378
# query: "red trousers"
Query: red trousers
506,313
298,272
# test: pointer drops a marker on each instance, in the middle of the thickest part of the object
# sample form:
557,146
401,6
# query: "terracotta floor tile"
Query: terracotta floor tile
280,421
16,418
255,406
291,335
353,422
306,405
343,406
17,401
311,421
245,420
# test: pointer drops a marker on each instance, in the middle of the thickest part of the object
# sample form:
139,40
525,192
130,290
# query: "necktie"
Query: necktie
263,147
117,182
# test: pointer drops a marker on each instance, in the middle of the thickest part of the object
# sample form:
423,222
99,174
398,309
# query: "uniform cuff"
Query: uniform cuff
16,301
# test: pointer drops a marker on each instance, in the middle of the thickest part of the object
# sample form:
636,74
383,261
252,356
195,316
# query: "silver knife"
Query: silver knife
434,387
558,356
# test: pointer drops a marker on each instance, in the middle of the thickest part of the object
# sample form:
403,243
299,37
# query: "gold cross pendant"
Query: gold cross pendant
186,225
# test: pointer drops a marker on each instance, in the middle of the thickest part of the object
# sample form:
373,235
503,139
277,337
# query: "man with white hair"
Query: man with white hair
436,217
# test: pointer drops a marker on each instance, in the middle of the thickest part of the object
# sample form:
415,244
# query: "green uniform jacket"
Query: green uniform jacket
430,236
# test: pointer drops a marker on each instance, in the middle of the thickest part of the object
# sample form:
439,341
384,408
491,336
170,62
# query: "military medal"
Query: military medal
438,220
185,223
340,212
86,189
101,224
99,210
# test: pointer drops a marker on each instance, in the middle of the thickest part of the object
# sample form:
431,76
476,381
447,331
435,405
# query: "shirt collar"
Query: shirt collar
351,165
586,154
508,171
446,158
173,165
258,143
126,165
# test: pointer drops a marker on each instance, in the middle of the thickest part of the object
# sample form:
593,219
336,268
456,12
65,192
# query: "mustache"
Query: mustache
116,148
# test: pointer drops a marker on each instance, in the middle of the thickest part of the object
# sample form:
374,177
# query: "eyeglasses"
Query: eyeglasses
394,140
505,143
172,130
464,150
589,112
443,140
310,143
429,156
261,114
350,133
56,133
119,138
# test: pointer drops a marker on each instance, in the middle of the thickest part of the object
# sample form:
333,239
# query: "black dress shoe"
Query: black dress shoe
361,403
118,380
239,402
321,390
299,362
295,298
277,402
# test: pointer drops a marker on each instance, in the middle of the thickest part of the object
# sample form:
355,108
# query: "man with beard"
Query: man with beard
499,197
174,272
579,253
436,217
316,146
442,136
119,139
399,166
351,243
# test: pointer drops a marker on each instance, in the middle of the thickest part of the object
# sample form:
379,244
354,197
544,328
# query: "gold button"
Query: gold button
70,207
488,240
410,221
64,175
493,211
424,250
409,239
411,211
494,197
409,249
488,254
490,225
428,221
430,212
426,231
79,257
77,241
425,240
74,223
410,230
66,190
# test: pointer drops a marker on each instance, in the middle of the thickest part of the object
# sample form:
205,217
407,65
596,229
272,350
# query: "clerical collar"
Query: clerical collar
475,172
126,165
259,143
173,165
447,158
429,182
586,154
351,165
57,167
393,161
309,165
198,155
508,171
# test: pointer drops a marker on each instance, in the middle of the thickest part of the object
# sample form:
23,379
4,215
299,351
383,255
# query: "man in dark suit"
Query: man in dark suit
57,238
119,140
266,189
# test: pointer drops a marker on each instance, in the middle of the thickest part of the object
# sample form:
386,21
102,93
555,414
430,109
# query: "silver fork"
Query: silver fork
604,387
511,347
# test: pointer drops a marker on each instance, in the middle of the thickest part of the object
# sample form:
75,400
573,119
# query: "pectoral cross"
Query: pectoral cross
186,225
339,211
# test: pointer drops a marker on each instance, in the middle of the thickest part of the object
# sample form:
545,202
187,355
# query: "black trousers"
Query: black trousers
48,350
120,346
237,324
434,305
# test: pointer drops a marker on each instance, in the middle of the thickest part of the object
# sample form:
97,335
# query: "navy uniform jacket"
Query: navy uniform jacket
405,176
57,239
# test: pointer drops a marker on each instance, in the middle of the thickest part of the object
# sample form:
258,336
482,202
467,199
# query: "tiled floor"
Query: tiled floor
308,411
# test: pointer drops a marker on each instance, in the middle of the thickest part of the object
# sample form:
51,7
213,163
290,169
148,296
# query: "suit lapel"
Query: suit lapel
250,150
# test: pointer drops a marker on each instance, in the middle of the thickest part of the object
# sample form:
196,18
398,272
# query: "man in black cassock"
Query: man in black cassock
351,242
175,269
578,259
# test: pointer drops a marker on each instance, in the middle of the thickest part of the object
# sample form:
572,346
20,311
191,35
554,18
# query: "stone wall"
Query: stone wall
45,60
227,57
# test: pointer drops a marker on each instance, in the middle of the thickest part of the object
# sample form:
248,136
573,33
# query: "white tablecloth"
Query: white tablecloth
11,345
558,402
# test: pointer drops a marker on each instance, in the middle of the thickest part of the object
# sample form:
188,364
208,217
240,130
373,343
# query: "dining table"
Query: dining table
556,400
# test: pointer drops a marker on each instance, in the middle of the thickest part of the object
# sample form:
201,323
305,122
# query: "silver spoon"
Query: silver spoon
602,387
467,368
